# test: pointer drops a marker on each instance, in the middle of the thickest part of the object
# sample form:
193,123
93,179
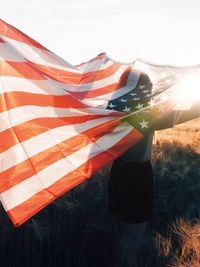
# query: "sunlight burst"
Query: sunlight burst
189,90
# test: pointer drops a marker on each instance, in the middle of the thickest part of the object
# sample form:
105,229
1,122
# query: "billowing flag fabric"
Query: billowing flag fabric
58,123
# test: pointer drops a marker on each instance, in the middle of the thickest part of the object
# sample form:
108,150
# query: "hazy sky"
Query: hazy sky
161,31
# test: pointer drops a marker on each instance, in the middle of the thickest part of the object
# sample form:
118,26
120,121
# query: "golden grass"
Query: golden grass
186,133
181,246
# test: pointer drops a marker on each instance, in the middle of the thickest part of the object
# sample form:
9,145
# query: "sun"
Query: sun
188,90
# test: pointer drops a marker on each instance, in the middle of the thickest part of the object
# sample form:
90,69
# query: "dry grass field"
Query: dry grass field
186,134
176,160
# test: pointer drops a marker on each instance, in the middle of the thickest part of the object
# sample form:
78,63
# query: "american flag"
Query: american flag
58,122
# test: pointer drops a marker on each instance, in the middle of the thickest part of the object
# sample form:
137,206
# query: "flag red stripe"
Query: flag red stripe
76,78
33,71
20,69
29,129
96,163
24,170
17,99
19,215
13,33
22,213
104,90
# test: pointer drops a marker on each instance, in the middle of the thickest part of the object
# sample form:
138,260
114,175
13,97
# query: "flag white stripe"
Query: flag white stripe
41,142
39,56
8,53
97,84
43,179
22,114
43,87
44,57
102,144
52,87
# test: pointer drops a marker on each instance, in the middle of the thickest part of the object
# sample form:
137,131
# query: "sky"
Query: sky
162,32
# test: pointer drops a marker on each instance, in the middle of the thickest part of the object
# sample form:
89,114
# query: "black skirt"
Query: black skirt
130,190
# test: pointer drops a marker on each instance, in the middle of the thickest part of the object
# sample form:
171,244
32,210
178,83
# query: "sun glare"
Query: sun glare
189,90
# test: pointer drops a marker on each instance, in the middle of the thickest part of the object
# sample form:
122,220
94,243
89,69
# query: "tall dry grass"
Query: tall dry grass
177,200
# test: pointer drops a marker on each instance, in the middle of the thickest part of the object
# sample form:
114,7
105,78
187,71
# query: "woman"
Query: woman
130,191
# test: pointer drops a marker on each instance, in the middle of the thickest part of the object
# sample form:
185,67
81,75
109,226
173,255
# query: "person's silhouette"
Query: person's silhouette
130,189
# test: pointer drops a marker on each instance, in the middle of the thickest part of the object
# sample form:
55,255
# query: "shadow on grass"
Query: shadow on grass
76,231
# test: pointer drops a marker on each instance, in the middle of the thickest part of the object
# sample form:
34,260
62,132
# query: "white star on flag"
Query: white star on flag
111,105
126,109
139,106
136,98
123,100
142,86
144,124
133,94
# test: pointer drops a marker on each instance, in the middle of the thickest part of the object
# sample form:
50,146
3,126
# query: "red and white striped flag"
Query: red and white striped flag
55,130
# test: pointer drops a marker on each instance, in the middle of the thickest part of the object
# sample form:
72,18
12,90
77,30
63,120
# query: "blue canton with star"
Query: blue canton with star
135,101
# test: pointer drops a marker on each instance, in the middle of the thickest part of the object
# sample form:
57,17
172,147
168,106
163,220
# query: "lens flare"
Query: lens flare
188,91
